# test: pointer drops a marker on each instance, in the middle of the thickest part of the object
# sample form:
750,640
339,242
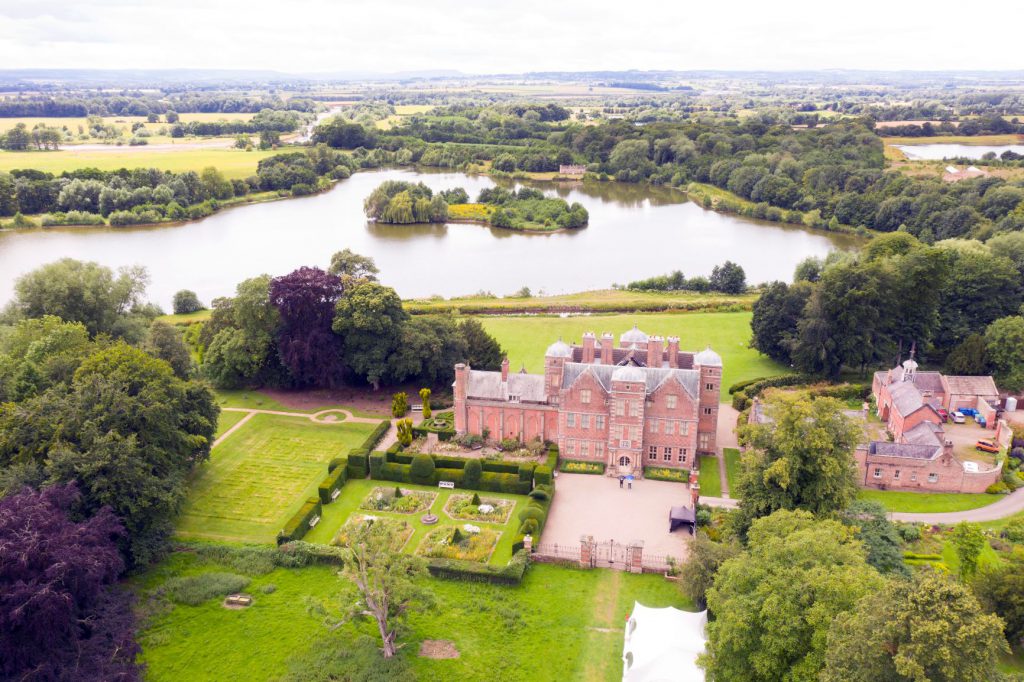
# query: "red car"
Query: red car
942,413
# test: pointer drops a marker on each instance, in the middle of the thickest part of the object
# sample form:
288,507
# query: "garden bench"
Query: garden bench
239,600
313,521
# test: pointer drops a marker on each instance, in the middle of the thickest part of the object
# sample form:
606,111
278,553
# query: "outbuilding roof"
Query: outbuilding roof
972,385
489,386
904,450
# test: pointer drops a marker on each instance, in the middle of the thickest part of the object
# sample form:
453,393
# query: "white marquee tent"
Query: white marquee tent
662,645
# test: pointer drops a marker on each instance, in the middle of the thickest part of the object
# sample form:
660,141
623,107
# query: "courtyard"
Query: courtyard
595,505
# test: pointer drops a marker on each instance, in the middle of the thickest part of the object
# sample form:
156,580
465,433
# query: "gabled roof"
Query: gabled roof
972,385
489,386
925,433
904,450
906,398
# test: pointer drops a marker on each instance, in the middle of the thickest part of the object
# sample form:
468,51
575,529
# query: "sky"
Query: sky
486,36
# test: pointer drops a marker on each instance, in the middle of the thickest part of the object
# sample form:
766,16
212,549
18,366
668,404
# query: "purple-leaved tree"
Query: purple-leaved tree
62,617
308,347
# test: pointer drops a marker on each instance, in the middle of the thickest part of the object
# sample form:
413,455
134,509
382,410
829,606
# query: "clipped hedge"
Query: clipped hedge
377,462
453,569
421,470
378,432
542,475
334,481
358,463
552,462
337,462
526,471
298,525
843,392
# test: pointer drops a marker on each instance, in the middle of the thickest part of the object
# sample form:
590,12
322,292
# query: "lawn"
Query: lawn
526,338
185,319
560,624
897,501
336,513
254,399
710,478
732,467
260,476
233,163
226,420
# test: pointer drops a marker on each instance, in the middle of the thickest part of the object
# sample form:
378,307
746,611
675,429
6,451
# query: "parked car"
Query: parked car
958,417
942,413
968,411
986,445
979,420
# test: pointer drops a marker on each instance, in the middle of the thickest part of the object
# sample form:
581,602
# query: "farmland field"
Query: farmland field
233,163
260,476
526,338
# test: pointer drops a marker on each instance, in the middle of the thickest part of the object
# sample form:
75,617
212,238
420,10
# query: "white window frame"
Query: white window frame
878,472
570,419
670,401
585,396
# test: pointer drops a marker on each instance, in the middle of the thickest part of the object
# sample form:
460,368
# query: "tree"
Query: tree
399,404
338,133
968,541
216,185
482,350
776,316
728,278
308,348
472,473
877,532
171,116
425,399
164,342
369,320
387,581
62,616
84,292
969,358
185,302
774,604
127,430
703,560
1004,348
1000,589
801,460
352,268
930,628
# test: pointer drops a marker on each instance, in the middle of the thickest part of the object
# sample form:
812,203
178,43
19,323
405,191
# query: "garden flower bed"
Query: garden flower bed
574,467
464,507
400,529
667,474
467,543
410,501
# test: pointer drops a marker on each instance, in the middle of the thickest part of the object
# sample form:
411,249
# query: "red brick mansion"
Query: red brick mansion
643,403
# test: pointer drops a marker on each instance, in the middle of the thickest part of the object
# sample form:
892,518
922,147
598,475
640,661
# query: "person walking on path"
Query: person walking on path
621,479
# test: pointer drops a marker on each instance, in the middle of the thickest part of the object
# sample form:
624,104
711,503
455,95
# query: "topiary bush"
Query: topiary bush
531,512
542,475
377,460
421,471
471,473
526,471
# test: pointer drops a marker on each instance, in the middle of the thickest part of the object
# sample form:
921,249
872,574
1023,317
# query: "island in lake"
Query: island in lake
406,203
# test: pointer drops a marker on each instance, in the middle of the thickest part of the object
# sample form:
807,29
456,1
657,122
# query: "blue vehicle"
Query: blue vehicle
980,420
968,411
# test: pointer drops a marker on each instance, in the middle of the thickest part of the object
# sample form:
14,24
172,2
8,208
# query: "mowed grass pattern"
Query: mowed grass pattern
260,476
526,338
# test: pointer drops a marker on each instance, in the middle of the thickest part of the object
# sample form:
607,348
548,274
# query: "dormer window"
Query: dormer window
513,399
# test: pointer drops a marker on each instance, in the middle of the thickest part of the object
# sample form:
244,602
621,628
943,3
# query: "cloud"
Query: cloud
490,37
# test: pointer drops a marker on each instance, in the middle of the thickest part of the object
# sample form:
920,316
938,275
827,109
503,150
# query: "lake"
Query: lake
932,152
635,232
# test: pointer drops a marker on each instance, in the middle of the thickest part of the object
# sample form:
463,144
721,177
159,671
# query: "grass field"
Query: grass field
336,513
602,300
896,501
710,478
234,163
72,123
256,400
260,476
501,633
526,338
228,419
732,468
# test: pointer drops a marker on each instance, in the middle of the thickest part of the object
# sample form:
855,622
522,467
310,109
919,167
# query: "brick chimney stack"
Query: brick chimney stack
673,351
607,344
589,347
504,369
654,351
